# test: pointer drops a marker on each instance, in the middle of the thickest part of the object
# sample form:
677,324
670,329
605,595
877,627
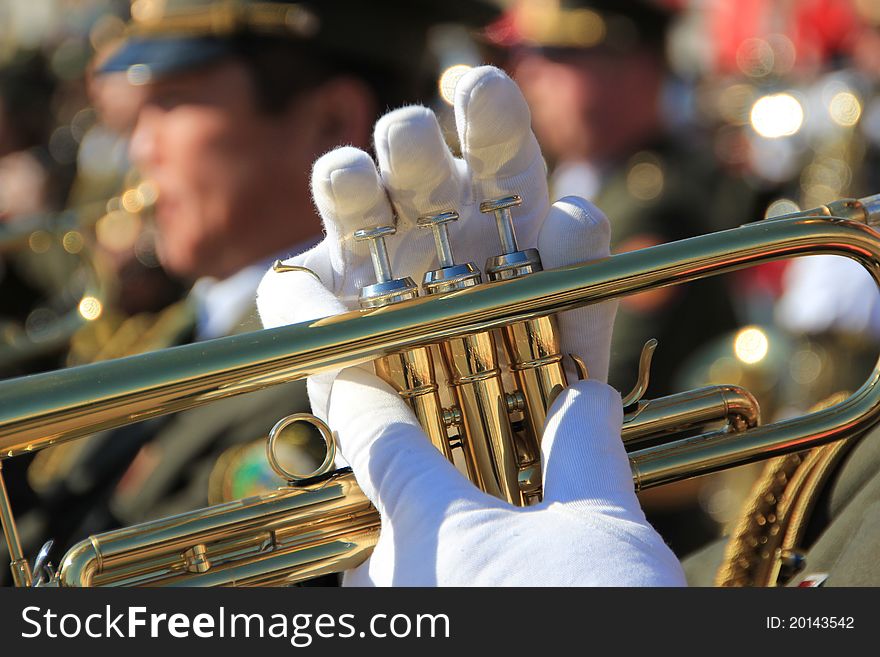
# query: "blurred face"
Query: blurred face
232,181
590,104
116,101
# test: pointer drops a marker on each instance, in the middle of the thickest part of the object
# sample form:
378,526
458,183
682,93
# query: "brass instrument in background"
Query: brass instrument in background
81,288
68,256
324,523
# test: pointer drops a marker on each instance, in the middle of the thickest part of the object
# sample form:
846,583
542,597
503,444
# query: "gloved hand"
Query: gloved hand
437,528
418,176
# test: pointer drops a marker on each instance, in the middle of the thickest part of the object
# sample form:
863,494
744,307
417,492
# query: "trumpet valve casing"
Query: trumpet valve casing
532,347
411,373
473,372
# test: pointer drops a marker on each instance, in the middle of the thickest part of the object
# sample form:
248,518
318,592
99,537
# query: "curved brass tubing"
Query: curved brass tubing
686,410
329,525
45,409
298,533
281,537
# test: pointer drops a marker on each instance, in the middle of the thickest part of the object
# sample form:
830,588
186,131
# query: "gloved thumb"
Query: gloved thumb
585,462
576,231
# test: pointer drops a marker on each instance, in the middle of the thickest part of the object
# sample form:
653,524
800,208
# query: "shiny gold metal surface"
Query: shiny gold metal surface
686,410
291,423
328,533
43,409
475,377
411,374
296,533
21,572
535,359
281,537
644,374
279,267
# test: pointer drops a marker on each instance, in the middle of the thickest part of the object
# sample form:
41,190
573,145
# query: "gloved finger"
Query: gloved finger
576,231
415,164
349,195
585,462
394,462
421,177
494,128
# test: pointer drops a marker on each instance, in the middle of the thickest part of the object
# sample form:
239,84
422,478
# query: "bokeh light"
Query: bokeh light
805,366
780,207
132,201
777,115
845,109
72,241
139,74
117,231
734,103
90,308
751,345
449,78
149,192
644,180
39,241
755,57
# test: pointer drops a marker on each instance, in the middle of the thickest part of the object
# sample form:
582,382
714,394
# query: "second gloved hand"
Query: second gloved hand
438,529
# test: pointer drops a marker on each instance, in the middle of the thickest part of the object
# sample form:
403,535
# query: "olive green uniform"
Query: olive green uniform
842,533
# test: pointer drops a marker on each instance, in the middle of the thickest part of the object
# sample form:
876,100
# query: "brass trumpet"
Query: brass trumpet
87,286
325,524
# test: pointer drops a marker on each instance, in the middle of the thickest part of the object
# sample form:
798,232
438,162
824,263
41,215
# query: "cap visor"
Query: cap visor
163,56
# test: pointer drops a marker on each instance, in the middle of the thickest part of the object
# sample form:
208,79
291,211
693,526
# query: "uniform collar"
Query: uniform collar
223,306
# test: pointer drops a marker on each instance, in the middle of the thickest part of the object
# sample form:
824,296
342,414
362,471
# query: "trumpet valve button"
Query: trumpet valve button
387,289
500,203
449,276
374,233
375,238
437,223
439,219
503,219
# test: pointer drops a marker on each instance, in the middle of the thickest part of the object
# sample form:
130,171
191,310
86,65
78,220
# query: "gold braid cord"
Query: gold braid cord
763,549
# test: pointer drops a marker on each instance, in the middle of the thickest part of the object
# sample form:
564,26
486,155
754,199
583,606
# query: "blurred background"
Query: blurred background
676,117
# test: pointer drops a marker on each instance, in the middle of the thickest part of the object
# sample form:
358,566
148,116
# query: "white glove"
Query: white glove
420,176
590,528
829,293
